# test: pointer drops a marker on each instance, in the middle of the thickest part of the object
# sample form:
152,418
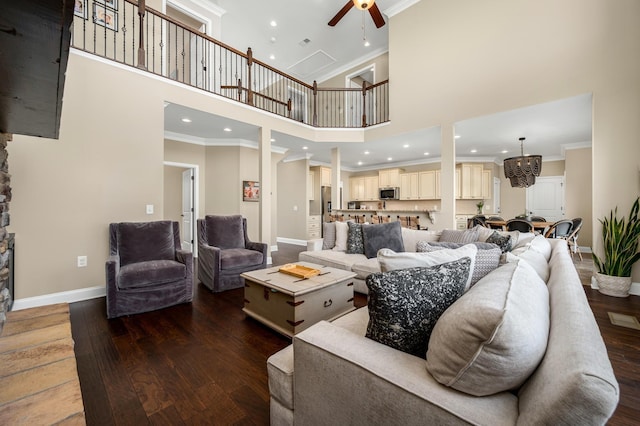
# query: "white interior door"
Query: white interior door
546,198
187,210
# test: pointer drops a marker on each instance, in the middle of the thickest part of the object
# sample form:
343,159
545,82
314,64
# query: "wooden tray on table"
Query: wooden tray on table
299,270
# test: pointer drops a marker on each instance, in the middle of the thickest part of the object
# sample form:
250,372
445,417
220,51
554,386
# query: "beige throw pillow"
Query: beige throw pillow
493,337
342,233
390,260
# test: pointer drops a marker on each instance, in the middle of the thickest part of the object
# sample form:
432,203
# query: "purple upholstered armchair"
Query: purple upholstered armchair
146,269
225,251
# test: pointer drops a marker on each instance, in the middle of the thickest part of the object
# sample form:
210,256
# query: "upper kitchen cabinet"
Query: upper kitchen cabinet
474,182
409,186
429,185
389,178
325,176
363,188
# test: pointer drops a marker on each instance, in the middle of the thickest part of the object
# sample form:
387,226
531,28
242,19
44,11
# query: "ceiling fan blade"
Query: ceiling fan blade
376,16
347,7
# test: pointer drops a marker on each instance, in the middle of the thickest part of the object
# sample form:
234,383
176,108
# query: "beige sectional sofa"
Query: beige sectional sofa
356,262
333,374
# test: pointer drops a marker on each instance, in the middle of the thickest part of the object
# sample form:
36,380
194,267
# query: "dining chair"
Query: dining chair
495,218
560,229
538,219
519,225
572,239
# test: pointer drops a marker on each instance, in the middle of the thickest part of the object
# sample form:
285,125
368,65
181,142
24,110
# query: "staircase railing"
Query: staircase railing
133,34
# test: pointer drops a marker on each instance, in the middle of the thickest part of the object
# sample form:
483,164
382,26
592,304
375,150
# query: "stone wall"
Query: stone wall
5,198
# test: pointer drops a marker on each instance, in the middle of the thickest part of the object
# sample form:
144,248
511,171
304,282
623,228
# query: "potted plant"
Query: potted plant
620,237
480,205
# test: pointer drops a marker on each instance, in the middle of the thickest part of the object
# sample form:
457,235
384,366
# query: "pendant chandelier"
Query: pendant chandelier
522,170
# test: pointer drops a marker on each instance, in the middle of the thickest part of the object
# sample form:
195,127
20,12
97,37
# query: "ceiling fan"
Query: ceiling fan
362,5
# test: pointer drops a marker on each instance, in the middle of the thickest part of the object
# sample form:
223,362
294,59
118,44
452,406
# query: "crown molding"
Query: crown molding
195,140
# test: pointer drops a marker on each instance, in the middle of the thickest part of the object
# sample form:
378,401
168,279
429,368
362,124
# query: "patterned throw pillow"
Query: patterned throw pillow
328,235
355,240
405,304
463,237
487,257
503,241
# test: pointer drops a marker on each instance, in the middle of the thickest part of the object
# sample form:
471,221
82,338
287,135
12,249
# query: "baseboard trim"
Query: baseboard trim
635,287
62,297
292,241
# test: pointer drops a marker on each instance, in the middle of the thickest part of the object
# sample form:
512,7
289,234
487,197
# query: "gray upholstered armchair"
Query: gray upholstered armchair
146,269
225,251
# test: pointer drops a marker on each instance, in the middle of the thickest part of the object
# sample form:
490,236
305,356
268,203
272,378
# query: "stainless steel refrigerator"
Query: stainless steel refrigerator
325,202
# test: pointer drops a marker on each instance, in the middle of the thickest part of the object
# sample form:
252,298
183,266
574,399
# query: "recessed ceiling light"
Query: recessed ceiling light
186,120
272,39
473,151
426,153
457,136
273,24
389,158
366,153
272,56
359,163
305,147
227,129
366,43
504,151
272,140
406,145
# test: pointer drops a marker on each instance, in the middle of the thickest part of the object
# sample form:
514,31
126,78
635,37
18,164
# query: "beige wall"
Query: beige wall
579,200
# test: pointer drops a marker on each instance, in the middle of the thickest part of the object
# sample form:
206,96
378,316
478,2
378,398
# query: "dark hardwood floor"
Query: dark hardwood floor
205,362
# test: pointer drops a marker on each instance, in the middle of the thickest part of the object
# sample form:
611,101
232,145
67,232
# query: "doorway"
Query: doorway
354,108
546,198
181,201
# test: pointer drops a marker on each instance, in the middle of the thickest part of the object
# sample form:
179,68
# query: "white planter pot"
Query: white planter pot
613,286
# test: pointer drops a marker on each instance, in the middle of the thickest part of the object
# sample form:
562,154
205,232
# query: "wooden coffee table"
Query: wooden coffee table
289,304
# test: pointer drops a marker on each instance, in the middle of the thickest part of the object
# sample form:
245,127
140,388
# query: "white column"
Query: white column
447,217
335,178
264,161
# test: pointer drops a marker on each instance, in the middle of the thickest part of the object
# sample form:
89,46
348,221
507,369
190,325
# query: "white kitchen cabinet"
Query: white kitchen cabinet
356,189
487,183
371,188
325,176
471,181
409,186
389,178
313,226
427,185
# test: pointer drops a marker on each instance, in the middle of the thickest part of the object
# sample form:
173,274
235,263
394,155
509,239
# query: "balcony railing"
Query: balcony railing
130,33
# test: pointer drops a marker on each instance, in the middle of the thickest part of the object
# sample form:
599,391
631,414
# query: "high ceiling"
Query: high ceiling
302,43
549,128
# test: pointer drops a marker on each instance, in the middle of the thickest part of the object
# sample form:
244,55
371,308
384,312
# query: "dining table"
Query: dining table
537,226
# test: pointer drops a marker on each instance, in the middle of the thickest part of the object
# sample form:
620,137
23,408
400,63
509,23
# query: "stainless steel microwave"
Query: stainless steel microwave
389,193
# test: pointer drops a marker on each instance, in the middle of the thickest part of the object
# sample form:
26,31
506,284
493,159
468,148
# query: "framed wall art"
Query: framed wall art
80,9
250,190
113,4
104,16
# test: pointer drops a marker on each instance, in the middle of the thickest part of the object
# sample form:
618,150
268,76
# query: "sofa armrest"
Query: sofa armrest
314,244
345,378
